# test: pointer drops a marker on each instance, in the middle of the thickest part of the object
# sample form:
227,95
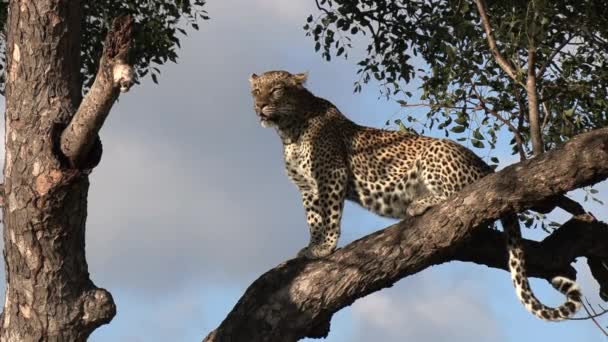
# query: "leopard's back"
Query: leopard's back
390,169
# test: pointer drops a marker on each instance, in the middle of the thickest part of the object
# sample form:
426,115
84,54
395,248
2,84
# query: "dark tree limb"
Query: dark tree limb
599,271
579,237
114,75
298,298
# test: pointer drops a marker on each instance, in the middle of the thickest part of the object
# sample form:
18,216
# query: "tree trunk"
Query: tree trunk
49,295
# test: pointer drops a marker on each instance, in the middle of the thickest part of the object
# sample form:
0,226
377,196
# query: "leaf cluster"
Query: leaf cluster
442,43
158,27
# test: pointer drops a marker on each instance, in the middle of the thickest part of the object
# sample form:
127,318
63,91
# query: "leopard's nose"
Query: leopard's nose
260,107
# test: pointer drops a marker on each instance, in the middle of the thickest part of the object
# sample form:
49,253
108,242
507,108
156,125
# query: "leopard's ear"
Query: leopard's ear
252,78
301,78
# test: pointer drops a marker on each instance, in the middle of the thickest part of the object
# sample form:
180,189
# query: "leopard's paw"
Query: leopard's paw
417,209
314,252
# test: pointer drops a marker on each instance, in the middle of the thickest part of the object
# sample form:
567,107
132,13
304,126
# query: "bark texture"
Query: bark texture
298,298
79,138
49,295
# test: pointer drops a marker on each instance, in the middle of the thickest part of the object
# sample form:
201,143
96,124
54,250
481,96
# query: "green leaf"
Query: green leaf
447,37
457,129
464,8
477,135
461,120
477,143
156,31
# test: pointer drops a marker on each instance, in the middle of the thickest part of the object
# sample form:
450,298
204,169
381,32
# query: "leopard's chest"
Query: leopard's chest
299,166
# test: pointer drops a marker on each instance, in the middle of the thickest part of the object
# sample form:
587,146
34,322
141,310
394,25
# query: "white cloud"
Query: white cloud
427,308
192,191
286,10
162,215
190,185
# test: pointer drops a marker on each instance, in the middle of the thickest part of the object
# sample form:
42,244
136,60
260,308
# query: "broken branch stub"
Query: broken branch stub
114,75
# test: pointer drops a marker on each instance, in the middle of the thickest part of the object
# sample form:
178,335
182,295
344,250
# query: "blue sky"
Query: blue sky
191,203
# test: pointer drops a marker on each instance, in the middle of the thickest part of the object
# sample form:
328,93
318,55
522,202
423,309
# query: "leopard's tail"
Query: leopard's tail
517,267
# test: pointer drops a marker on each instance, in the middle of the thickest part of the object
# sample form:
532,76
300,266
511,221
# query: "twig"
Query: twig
504,64
546,111
541,70
521,115
321,8
430,105
592,316
518,139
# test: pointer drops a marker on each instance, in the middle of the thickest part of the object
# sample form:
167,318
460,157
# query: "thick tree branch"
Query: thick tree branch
579,237
298,298
114,75
504,64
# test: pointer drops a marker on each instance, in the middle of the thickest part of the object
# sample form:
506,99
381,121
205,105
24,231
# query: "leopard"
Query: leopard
392,173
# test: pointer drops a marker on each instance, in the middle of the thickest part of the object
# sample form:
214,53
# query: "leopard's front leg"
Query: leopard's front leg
323,205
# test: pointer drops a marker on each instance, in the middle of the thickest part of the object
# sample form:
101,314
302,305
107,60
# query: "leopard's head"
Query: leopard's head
278,96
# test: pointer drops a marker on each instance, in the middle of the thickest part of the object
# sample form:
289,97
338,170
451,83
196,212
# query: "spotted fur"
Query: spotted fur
393,174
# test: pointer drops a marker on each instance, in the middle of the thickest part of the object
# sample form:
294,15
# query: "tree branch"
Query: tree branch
519,141
504,64
533,114
319,7
298,298
579,237
543,67
592,314
114,75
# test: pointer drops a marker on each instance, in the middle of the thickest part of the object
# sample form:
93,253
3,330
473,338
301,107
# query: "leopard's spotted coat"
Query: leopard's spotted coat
393,174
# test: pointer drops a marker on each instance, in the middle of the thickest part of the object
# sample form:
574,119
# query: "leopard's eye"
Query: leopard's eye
255,91
277,90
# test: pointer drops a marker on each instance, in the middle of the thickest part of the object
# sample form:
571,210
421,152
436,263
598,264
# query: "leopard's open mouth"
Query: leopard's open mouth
265,117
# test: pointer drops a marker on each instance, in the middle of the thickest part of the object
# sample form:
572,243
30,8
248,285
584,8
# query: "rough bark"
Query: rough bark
80,136
297,298
581,236
49,295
